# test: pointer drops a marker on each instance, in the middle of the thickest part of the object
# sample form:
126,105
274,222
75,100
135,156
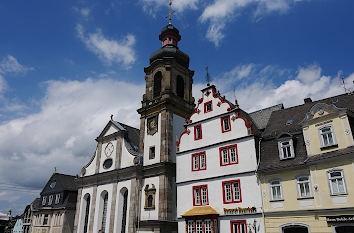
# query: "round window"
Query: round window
107,163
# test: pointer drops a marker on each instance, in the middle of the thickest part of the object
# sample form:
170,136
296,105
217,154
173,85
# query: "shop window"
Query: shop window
232,191
201,226
238,226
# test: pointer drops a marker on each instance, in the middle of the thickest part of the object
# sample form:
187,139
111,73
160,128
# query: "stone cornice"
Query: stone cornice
133,172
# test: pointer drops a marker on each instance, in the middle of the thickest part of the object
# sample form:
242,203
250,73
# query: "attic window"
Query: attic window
335,100
289,122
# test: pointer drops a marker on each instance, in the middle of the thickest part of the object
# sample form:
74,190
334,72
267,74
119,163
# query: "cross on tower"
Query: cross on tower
170,13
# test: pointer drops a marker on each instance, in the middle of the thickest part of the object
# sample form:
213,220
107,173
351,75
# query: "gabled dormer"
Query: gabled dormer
327,127
58,192
117,147
214,120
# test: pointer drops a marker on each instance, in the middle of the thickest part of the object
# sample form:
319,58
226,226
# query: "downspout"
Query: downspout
259,180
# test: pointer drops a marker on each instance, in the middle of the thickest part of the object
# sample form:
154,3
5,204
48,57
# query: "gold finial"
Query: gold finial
170,13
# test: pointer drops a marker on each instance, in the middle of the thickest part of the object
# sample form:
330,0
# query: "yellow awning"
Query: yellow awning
200,210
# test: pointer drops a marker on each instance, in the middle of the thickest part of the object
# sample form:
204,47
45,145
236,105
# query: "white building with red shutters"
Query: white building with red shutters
217,188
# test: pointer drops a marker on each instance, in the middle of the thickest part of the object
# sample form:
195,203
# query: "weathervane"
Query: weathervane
170,13
207,76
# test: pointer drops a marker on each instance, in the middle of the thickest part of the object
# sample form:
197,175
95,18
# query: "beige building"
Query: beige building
307,162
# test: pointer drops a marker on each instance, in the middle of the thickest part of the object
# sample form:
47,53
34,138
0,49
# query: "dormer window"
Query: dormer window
208,107
50,200
44,200
286,148
57,198
327,136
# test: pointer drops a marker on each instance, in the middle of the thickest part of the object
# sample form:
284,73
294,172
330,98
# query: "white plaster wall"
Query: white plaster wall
127,159
104,157
91,169
212,133
98,208
181,225
250,193
152,140
150,214
117,225
216,109
110,131
246,161
82,210
178,128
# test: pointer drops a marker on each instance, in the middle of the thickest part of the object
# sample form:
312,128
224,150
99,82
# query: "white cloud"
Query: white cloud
10,64
108,50
3,216
62,133
256,89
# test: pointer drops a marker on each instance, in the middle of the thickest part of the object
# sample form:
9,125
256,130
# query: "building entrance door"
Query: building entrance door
345,229
295,229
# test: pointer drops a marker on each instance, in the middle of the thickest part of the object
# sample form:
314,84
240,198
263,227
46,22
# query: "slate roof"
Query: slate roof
133,135
261,117
277,126
67,181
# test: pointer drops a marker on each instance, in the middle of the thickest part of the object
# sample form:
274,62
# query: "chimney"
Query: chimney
307,100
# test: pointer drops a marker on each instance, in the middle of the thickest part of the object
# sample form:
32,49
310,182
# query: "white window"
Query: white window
276,190
327,136
286,149
207,226
225,157
232,191
44,200
190,226
200,195
238,226
50,200
225,123
196,162
304,186
233,157
337,182
199,226
57,198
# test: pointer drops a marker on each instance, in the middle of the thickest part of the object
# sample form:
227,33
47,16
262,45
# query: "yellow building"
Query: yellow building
307,166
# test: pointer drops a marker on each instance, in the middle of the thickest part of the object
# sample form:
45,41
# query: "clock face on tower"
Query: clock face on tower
108,150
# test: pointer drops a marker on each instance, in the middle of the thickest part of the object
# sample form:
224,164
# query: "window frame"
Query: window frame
201,132
271,193
44,200
200,195
223,130
50,199
330,183
205,106
57,198
199,163
228,155
280,148
238,222
333,136
298,183
232,191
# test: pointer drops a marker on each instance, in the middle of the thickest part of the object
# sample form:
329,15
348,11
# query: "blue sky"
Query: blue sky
65,66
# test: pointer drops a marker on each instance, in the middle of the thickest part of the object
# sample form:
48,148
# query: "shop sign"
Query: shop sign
341,218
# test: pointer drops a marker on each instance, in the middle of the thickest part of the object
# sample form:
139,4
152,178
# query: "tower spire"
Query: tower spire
170,13
207,76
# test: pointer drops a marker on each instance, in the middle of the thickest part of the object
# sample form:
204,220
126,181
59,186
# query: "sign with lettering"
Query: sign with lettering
339,219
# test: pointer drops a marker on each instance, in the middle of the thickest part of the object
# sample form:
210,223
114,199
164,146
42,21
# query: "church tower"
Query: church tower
166,103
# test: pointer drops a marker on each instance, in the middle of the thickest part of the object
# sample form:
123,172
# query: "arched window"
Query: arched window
122,210
87,212
294,228
104,213
150,199
180,87
157,84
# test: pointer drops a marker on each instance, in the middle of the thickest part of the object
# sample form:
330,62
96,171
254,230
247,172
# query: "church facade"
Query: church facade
129,185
